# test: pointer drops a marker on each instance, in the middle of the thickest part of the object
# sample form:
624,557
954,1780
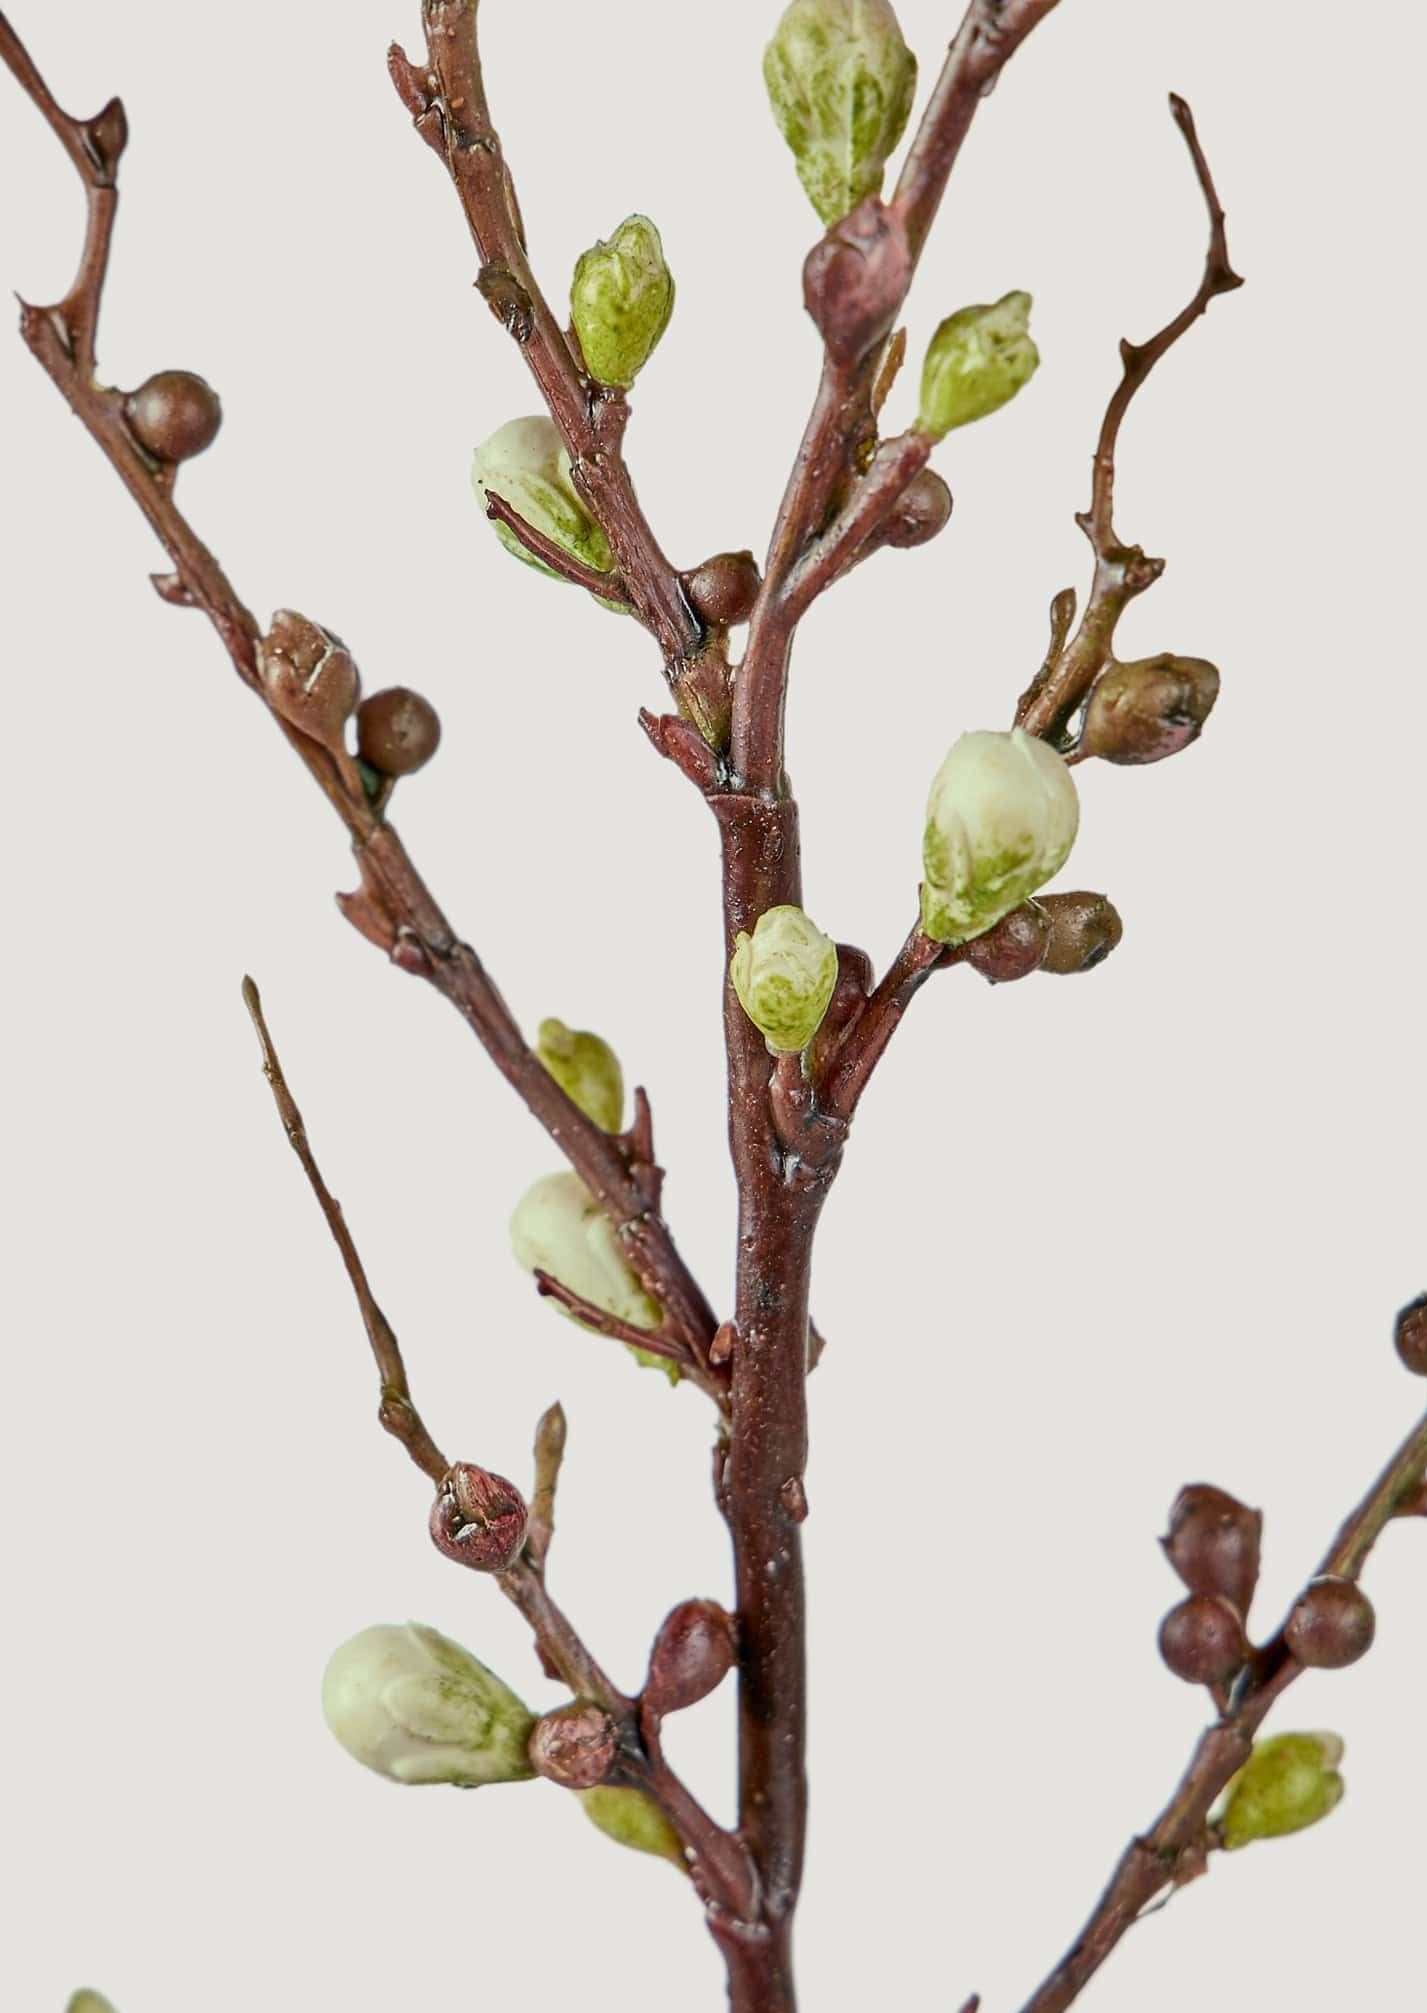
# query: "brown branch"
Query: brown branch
849,1068
606,586
655,1341
851,535
549,1457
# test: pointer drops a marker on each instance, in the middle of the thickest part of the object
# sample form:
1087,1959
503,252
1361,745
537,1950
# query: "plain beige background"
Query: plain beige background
1094,1238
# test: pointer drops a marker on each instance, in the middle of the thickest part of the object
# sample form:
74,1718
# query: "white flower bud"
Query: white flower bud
1001,819
840,81
559,1228
525,463
784,975
416,1707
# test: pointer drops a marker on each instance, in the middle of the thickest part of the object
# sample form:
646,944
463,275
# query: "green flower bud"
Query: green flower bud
586,1069
85,2001
621,299
631,1818
840,80
784,975
977,360
417,1708
1285,1785
525,463
1001,819
559,1228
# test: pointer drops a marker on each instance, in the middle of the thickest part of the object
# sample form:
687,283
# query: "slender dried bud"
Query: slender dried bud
525,463
855,278
1015,948
574,1746
1214,1543
478,1519
586,1069
631,1818
621,299
1084,929
174,415
1286,1784
1143,711
1410,1335
1203,1640
309,678
724,589
977,361
397,731
1001,819
559,1228
417,1708
692,1655
921,511
85,2001
784,974
1332,1624
840,81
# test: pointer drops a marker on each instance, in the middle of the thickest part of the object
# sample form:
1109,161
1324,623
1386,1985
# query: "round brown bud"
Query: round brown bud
1213,1544
1084,929
724,589
1411,1335
309,678
1015,948
921,511
574,1746
692,1655
1332,1624
1202,1640
1143,711
173,414
478,1519
397,731
855,279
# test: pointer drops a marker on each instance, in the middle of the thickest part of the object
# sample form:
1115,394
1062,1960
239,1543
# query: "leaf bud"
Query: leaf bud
417,1708
1015,948
85,2001
309,678
621,299
586,1069
1214,1542
1001,819
631,1818
724,589
1203,1640
692,1655
977,361
397,731
574,1746
840,81
559,1228
854,279
526,464
1143,711
1410,1335
784,974
478,1519
1332,1624
1286,1784
173,415
1084,929
920,512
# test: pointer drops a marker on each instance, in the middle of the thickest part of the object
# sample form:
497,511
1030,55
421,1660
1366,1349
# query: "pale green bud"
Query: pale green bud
526,464
559,1228
978,359
621,299
586,1069
85,2001
784,974
1285,1785
415,1707
840,80
1001,819
631,1818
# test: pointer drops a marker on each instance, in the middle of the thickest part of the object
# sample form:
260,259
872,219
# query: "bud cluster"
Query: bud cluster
1213,1544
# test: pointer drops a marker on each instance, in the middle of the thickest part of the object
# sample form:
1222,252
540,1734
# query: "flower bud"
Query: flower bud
1001,819
724,589
621,299
977,361
840,81
1203,1640
920,512
586,1069
1213,1544
631,1818
174,415
525,463
85,2001
1015,948
574,1746
309,678
397,731
692,1655
1084,929
1410,1335
478,1519
784,974
1143,711
417,1708
1332,1624
855,279
559,1228
1286,1784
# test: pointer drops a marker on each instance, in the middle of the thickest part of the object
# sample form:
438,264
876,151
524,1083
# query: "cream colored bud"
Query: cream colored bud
978,360
631,1818
1286,1784
526,464
586,1069
784,975
416,1707
621,299
840,81
559,1228
1001,819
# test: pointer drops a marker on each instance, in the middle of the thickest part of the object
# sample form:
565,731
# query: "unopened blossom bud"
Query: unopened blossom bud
309,678
1015,948
854,280
586,1069
1332,1624
1286,1784
574,1746
418,1708
977,361
692,1655
526,464
1001,819
840,81
1410,1335
85,2001
1143,711
174,415
631,1818
621,299
559,1228
478,1519
397,731
724,589
920,512
784,973
1084,929
1214,1542
1203,1640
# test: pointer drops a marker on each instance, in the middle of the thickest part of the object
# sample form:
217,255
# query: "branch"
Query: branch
605,586
852,534
850,1067
549,1457
654,1341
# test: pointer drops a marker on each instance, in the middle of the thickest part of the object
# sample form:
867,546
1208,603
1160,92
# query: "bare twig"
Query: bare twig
605,586
851,534
654,1341
851,1065
549,1455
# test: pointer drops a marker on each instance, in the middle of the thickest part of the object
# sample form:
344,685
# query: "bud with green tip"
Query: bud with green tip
621,299
586,1069
631,1818
977,361
1285,1785
784,975
559,1228
840,80
415,1707
526,464
1001,819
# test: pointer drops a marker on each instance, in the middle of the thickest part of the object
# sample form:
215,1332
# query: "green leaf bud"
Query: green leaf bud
1285,1785
621,299
631,1818
417,1708
978,359
840,80
1001,819
784,975
525,463
85,2001
559,1228
586,1069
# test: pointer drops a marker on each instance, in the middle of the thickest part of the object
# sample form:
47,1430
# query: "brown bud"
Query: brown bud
1143,711
397,731
724,589
1015,948
921,511
693,1653
478,1519
1411,1335
855,278
1213,1544
173,414
574,1746
1202,1640
1332,1624
309,678
1084,929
